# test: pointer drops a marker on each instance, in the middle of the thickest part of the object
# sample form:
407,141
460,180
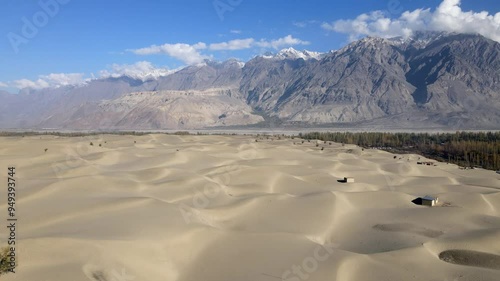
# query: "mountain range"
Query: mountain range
430,80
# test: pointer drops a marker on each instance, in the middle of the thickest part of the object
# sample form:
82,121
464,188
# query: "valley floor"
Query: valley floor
225,208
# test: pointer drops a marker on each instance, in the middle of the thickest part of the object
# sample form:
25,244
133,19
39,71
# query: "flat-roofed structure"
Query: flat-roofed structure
429,201
348,180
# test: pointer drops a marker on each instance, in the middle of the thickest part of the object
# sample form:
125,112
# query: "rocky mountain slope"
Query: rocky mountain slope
429,80
450,79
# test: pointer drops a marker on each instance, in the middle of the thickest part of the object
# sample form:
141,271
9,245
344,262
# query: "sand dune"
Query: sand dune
158,207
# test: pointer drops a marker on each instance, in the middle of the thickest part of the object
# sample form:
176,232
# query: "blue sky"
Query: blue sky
74,40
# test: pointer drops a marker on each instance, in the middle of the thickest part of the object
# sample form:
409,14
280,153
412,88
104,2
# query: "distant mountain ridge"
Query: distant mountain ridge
431,79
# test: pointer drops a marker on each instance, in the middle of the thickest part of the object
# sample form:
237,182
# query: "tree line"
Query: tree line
466,149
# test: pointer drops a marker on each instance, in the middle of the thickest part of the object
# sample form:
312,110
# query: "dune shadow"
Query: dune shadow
471,258
409,228
98,276
417,201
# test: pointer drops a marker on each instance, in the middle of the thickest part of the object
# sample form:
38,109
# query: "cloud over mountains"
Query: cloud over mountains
186,53
448,16
53,80
140,70
192,54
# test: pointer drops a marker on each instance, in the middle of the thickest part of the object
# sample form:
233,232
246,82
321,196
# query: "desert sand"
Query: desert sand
227,208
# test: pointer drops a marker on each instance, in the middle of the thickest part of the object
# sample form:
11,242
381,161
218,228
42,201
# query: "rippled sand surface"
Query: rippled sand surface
228,208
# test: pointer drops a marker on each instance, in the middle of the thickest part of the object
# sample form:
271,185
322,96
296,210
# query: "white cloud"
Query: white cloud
186,53
191,54
300,24
53,80
26,83
235,31
238,44
140,70
64,79
281,42
303,24
448,16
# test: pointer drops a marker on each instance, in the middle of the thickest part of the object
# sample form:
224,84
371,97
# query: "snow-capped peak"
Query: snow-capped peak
419,39
144,76
291,53
234,62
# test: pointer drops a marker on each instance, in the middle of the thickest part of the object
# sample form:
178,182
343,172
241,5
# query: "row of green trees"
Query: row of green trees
468,149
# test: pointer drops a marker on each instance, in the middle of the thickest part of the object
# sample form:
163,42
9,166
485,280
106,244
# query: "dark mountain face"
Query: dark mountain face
440,75
458,77
462,62
360,82
203,77
430,80
267,82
